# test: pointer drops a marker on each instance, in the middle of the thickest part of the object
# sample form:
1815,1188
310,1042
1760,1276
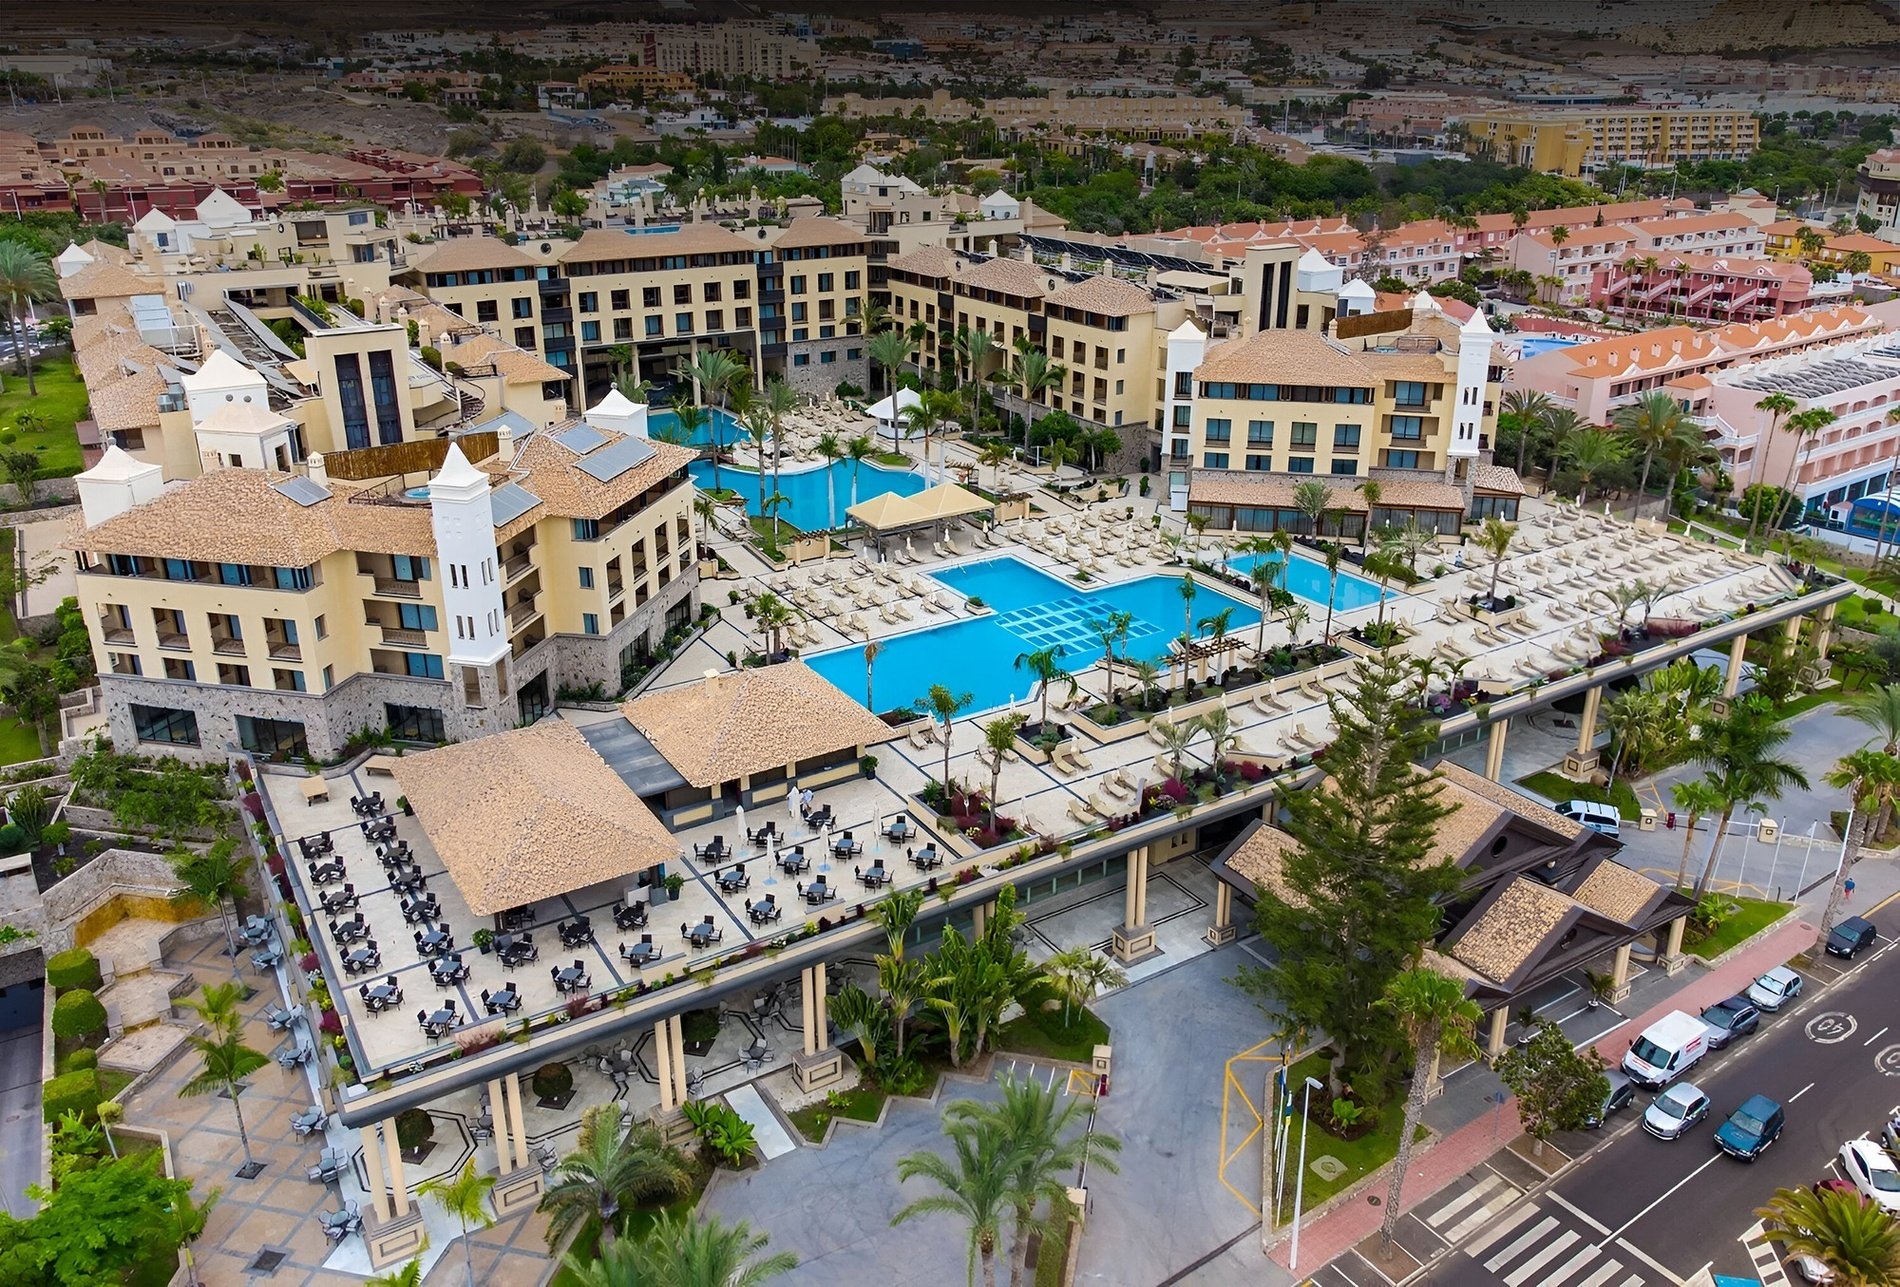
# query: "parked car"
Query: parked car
1890,1136
1873,1174
1848,937
1603,818
1727,1020
1622,1095
1750,1129
1675,1111
1774,989
1667,1050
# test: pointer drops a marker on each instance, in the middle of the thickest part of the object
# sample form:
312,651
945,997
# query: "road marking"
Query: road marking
1578,1212
1799,1093
1477,1191
1664,1198
1478,1219
1888,1061
1646,1258
1831,1027
1501,1229
1556,1247
1602,1275
1538,1230
1575,1264
1876,1037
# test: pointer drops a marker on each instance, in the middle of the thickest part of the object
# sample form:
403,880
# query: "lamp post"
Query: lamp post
1299,1179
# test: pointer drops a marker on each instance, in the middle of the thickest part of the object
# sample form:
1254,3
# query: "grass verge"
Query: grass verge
61,401
1041,1033
1749,917
1558,788
859,1104
1359,1158
895,459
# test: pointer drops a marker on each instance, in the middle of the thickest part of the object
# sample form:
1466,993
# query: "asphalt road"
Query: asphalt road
1640,1211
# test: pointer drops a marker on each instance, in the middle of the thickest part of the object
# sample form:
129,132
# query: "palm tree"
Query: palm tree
1561,425
773,614
896,914
1176,738
1187,590
1592,453
1869,777
216,878
684,1251
1034,374
1147,677
1879,709
1696,799
977,1187
1494,538
1438,1018
944,706
1312,499
974,347
904,984
832,451
711,374
756,424
995,455
856,449
462,1198
1852,1236
1042,1131
610,1165
780,400
1218,724
888,350
217,1004
1371,491
1333,554
688,419
1078,974
773,504
1109,630
1778,406
1737,755
1648,424
1383,567
227,1062
1045,667
871,649
1000,736
705,506
26,278
1806,426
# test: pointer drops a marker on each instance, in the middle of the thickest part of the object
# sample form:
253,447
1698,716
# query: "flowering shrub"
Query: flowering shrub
330,1023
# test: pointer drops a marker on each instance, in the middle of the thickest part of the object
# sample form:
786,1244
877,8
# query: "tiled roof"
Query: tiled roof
1470,819
1511,929
1009,276
464,254
1497,478
104,280
1246,487
1262,857
102,360
929,261
517,366
237,516
1516,801
1617,892
817,230
129,402
1109,296
551,472
599,244
1283,357
529,814
750,720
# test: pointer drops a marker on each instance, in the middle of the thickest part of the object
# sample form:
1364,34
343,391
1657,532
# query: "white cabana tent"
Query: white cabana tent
889,414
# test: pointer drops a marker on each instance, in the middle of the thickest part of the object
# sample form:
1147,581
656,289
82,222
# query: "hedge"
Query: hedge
73,1092
552,1081
76,1060
414,1128
77,1015
73,968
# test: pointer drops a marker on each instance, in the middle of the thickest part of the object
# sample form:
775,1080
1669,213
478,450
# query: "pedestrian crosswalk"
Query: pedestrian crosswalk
1764,1256
1471,1210
1539,1245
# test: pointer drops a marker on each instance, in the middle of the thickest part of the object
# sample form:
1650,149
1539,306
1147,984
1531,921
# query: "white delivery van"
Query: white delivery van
1667,1049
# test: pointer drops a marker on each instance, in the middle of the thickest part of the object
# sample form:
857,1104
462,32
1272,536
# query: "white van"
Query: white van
1598,817
1667,1049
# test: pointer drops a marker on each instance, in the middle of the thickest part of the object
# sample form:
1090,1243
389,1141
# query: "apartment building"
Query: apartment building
632,80
1566,259
1708,288
1576,142
1879,192
1154,118
1595,379
1403,397
438,597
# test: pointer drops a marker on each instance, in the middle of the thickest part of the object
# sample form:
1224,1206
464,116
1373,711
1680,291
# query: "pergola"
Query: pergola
890,514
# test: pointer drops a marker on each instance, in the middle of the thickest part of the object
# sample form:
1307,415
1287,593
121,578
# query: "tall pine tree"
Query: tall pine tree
1367,878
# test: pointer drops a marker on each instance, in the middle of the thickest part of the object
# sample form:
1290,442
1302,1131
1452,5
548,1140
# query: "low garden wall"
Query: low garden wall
115,886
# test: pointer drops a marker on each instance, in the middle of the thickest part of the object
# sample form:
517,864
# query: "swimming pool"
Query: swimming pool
1529,346
810,509
717,421
1033,610
1306,579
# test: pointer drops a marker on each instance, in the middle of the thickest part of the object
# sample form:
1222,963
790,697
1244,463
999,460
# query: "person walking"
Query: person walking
1847,889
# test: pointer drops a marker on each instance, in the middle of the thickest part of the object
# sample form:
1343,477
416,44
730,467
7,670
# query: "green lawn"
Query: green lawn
1360,1157
1750,917
61,402
861,1104
18,741
895,459
1558,788
1040,1032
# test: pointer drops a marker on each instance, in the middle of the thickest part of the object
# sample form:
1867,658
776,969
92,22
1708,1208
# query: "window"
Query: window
590,623
801,359
801,333
683,293
1261,464
1183,417
798,286
1401,459
715,319
323,629
1407,428
590,332
382,389
524,337
1260,433
298,578
742,317
824,282
416,616
1345,435
587,578
422,665
712,292
289,680
586,529
488,310
650,297
234,574
620,301
1408,393
1305,434
590,301
329,678
682,323
162,724
1214,460
742,289
827,357
280,739
798,312
1299,465
1345,466
653,326
414,723
853,355
410,567
1220,431
851,279
521,309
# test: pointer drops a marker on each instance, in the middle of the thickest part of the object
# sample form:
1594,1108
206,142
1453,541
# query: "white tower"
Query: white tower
619,413
222,381
464,520
1475,341
116,484
1187,347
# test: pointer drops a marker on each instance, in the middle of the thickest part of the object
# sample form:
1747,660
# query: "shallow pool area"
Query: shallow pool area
1307,579
1032,610
819,497
719,425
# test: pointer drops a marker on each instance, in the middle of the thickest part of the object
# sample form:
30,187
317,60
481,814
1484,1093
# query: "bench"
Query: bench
315,788
383,764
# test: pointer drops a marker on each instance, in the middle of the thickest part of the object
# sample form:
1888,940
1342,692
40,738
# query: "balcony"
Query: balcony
229,645
174,639
282,651
522,613
394,588
402,638
117,634
615,589
515,567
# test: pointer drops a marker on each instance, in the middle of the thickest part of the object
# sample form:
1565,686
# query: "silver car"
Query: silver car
1775,989
1675,1111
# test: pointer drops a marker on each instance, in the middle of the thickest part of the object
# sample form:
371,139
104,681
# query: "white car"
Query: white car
1869,1169
1775,988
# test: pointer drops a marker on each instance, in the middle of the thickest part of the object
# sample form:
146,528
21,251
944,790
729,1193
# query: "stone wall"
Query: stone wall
82,905
580,661
820,378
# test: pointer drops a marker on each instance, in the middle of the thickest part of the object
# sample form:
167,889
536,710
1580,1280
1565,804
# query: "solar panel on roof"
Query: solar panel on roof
580,439
301,490
510,501
609,463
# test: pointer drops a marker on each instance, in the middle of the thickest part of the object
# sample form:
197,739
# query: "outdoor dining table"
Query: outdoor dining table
350,931
818,891
256,930
701,934
793,861
899,830
322,873
433,940
571,979
447,971
380,996
359,959
630,915
308,1122
506,1001
380,831
411,881
927,858
437,1023
318,845
734,879
874,875
515,949
338,900
645,952
577,931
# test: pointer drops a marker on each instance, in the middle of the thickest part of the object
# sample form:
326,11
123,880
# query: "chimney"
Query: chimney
422,332
504,442
319,472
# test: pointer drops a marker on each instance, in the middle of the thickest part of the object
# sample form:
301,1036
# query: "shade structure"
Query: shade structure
889,413
888,513
947,500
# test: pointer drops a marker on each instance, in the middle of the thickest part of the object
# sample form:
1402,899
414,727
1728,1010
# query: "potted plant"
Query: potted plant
674,883
415,1129
484,941
1598,986
1526,1017
553,1085
868,766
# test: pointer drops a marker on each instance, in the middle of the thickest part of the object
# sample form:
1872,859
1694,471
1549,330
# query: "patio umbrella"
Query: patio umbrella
877,832
791,805
742,830
825,843
771,859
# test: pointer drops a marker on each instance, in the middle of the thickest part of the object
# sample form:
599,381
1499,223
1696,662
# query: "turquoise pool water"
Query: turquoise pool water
1307,579
810,509
718,423
1032,610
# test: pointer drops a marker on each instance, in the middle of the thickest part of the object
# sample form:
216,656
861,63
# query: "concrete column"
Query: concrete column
498,1116
1737,651
1824,630
1582,762
1133,937
1620,975
663,1065
821,983
1494,750
677,1044
1131,892
373,1163
1494,1039
1790,636
1673,960
517,1118
979,919
1222,931
398,1186
810,996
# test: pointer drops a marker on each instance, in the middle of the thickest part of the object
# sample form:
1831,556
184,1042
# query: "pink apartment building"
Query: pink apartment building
1707,288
